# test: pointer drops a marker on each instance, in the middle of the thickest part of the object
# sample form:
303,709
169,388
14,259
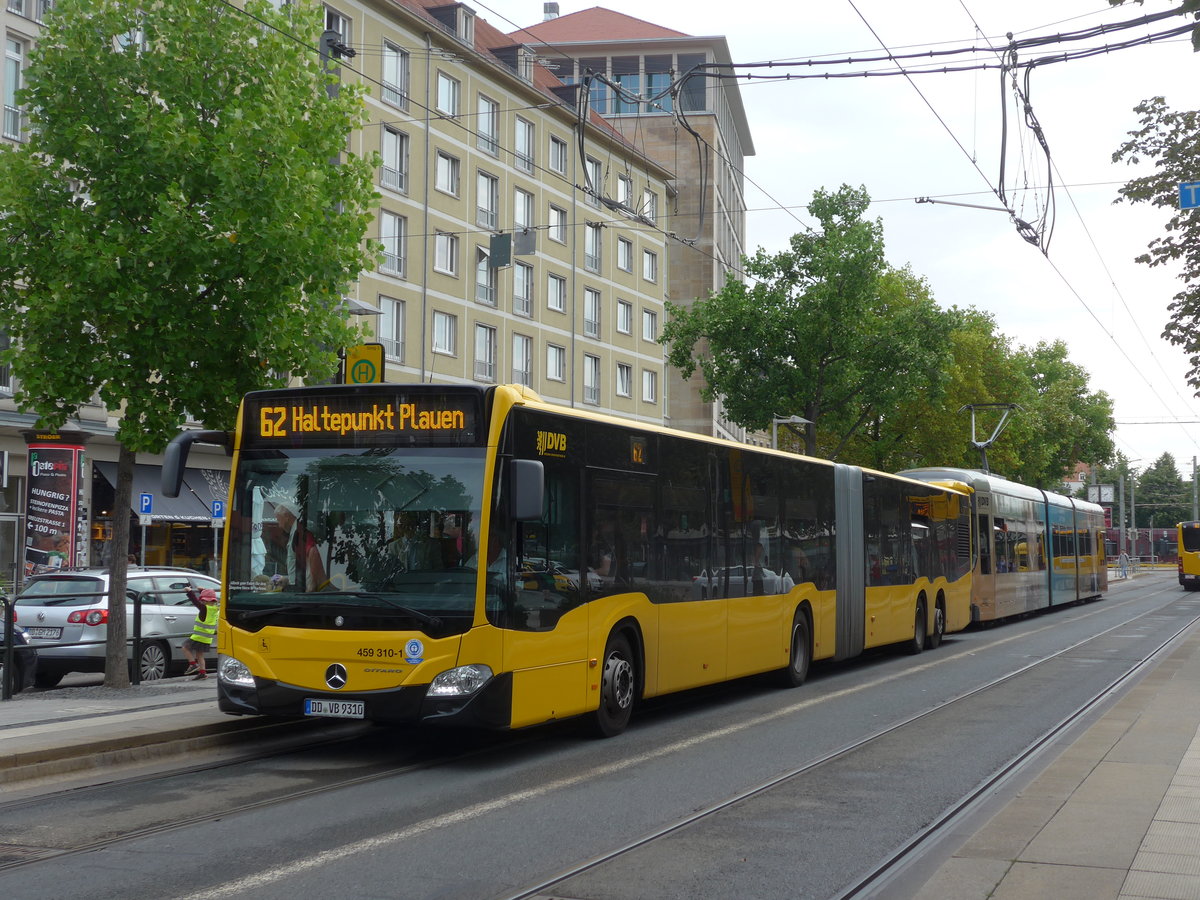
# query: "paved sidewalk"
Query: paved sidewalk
1115,815
75,729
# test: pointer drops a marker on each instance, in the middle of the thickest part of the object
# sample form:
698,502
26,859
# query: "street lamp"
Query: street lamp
785,420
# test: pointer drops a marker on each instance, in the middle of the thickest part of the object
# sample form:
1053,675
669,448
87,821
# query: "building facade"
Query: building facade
501,262
662,90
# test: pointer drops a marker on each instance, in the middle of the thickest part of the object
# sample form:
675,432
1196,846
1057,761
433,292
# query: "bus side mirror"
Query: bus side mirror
526,487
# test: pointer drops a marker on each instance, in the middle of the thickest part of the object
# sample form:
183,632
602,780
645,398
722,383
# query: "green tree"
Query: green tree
174,233
1172,140
824,330
1163,498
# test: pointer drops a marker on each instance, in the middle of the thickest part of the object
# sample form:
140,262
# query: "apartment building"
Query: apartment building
698,129
520,243
483,149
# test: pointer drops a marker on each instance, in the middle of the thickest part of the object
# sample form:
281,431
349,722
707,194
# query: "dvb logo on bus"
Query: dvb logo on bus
551,443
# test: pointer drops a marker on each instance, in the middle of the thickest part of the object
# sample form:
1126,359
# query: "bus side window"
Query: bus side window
985,545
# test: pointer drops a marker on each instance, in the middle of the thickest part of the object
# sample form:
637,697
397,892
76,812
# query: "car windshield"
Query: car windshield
62,591
389,532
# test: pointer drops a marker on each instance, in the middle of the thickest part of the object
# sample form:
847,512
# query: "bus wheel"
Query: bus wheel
801,652
939,628
917,644
617,682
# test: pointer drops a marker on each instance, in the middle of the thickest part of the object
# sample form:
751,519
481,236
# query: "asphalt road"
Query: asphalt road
397,814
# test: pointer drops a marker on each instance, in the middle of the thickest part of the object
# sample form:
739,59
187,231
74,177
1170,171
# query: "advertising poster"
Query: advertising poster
52,506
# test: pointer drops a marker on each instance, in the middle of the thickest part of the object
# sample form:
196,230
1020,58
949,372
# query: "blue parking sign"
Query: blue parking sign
146,504
218,509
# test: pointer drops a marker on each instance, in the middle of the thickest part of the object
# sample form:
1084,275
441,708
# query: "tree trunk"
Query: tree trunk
116,665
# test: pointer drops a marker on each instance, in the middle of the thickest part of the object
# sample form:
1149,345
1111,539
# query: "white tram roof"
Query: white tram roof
982,481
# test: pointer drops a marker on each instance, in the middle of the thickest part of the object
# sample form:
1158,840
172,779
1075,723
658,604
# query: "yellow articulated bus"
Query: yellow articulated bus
476,556
1189,555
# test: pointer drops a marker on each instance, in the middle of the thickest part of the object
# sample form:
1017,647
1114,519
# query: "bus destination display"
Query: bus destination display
338,419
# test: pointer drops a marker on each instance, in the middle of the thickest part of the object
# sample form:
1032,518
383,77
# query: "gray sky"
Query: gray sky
942,141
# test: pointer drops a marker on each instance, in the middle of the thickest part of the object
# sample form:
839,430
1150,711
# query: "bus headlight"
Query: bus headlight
460,682
231,671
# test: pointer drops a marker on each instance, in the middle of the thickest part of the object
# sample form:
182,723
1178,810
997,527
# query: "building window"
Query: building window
445,333
625,191
650,205
591,313
447,94
556,293
522,209
445,253
392,232
522,360
650,265
558,155
6,379
487,200
595,180
335,21
624,380
395,75
624,317
390,331
14,61
593,247
485,353
649,385
487,127
446,178
558,224
523,289
591,378
556,362
649,325
523,146
393,172
624,255
485,277
625,71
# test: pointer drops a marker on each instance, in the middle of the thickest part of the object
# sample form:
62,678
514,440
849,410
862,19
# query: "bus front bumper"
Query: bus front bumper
490,707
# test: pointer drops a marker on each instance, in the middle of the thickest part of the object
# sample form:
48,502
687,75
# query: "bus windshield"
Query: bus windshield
379,537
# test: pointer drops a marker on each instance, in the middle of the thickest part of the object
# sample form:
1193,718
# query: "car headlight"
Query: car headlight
234,672
460,682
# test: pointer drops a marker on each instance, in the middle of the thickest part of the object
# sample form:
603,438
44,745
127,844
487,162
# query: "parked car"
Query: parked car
25,659
59,610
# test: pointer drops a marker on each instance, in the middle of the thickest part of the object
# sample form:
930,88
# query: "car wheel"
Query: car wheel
47,679
154,661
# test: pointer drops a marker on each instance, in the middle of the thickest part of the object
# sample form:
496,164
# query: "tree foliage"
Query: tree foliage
1162,497
824,330
174,233
1172,140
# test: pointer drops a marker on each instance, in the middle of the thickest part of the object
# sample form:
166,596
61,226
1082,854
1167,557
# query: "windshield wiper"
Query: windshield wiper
424,618
325,608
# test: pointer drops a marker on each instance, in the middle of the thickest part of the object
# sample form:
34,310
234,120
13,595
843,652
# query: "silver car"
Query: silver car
65,616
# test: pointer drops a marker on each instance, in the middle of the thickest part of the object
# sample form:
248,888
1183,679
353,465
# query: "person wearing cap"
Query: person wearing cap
305,571
203,631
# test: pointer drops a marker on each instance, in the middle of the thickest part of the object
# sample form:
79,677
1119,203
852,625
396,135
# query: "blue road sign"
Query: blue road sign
218,509
146,504
1189,195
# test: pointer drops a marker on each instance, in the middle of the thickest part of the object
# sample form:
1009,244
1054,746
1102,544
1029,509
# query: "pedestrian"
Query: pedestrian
203,631
1123,562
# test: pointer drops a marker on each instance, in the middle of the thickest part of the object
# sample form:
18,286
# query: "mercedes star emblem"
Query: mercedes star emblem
335,676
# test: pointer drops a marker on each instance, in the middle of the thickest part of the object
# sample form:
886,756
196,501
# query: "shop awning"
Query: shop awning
200,487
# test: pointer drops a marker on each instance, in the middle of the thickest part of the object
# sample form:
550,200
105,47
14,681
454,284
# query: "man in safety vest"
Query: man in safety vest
203,631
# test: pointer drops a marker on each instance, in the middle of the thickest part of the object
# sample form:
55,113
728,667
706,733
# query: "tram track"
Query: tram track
882,872
862,886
